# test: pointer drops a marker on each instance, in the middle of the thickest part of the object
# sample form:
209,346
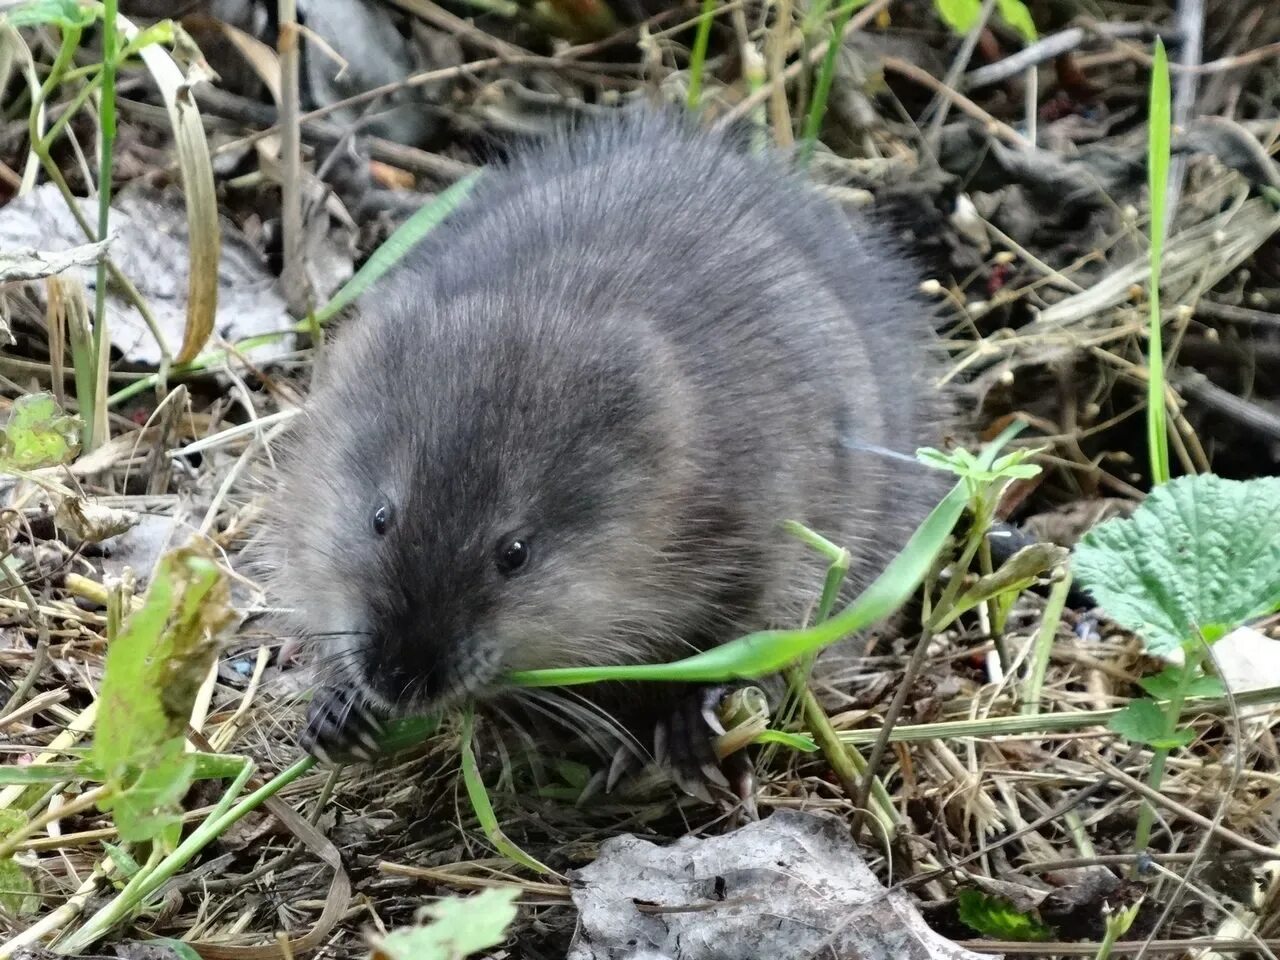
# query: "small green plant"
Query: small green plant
1200,557
984,481
963,15
1118,922
72,19
37,435
999,919
452,928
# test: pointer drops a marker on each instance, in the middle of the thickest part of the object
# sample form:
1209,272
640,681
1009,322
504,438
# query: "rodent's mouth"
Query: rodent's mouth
411,691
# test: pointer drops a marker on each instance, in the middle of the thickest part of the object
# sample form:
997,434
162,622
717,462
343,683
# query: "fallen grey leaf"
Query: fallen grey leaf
139,548
373,54
31,264
148,244
789,887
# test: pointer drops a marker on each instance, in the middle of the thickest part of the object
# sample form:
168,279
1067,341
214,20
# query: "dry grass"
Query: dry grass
1047,322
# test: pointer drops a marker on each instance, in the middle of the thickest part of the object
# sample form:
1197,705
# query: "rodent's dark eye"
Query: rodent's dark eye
382,518
513,553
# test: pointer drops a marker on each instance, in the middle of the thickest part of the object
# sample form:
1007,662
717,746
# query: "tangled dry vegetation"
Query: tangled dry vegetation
1015,169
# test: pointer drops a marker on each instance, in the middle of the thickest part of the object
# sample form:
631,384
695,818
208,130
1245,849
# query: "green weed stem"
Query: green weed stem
845,760
1158,137
1172,716
698,55
826,76
149,879
1034,684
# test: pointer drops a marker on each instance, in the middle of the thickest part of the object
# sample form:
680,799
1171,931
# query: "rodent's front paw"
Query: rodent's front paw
341,725
684,745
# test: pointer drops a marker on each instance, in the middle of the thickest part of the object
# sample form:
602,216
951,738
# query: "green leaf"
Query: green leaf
64,14
458,927
123,861
795,741
1016,15
17,892
576,775
1201,551
154,668
1179,738
1142,721
1164,685
998,918
960,15
483,807
1013,577
38,434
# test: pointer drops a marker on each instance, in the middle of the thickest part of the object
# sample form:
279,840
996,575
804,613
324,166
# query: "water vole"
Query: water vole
566,429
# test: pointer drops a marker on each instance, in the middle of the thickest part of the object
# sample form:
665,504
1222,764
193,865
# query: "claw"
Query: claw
340,726
684,745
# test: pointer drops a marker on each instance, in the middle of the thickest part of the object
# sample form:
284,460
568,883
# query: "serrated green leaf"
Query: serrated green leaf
65,14
458,927
1200,552
1207,687
149,806
38,434
1016,15
1142,721
998,918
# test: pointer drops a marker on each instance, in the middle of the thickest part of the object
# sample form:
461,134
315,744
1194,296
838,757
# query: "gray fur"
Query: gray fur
641,347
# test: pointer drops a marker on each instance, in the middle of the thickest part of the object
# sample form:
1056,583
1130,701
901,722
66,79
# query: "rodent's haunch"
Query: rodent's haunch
567,429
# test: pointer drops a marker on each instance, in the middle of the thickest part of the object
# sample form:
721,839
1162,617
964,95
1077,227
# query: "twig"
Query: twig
747,104
961,102
1232,314
941,105
1055,45
296,288
1199,819
1192,383
1190,21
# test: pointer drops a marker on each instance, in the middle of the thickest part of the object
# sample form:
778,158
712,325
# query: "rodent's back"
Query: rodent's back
642,346
799,331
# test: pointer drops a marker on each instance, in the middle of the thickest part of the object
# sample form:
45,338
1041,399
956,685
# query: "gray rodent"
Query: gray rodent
567,428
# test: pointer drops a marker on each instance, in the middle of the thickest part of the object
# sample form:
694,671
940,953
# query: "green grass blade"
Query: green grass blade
759,654
826,76
393,249
1158,132
698,55
483,808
